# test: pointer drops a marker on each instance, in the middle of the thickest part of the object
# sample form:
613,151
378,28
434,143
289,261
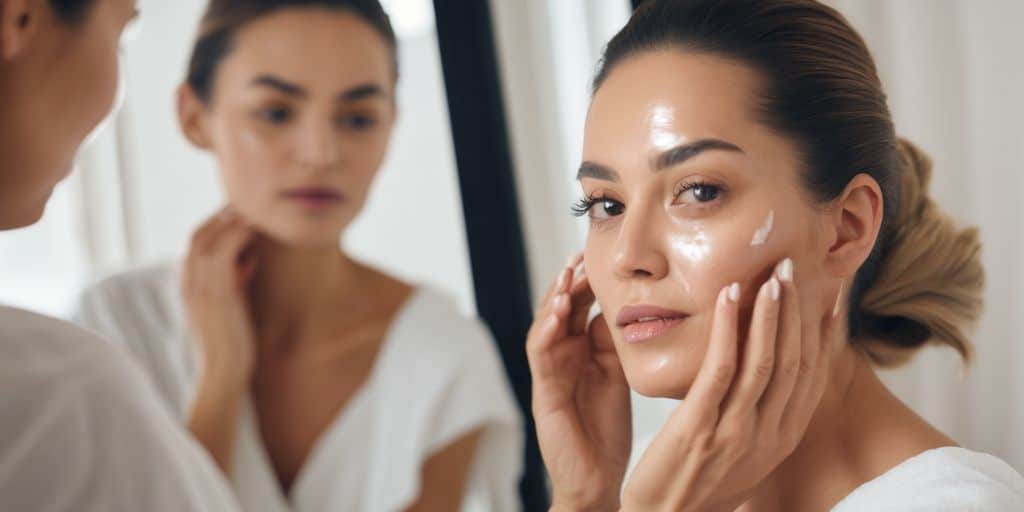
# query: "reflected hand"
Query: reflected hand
217,272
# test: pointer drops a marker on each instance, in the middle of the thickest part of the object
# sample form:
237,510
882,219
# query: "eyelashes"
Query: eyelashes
702,194
609,207
583,205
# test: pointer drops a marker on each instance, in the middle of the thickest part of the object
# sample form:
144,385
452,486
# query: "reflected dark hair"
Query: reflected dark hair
923,280
224,18
72,11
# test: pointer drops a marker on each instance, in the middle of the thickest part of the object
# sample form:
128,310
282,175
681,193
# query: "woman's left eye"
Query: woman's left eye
357,122
698,193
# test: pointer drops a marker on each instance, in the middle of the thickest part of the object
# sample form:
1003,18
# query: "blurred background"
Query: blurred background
485,182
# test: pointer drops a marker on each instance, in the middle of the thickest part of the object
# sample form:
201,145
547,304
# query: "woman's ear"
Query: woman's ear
19,21
857,219
191,117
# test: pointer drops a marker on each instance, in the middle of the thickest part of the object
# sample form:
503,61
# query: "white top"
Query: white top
81,429
946,479
436,378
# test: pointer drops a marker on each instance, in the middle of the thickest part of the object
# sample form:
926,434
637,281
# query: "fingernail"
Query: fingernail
571,262
774,288
562,276
786,270
734,292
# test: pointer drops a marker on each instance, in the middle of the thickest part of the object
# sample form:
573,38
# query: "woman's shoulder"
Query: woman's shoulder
947,478
433,320
147,294
34,343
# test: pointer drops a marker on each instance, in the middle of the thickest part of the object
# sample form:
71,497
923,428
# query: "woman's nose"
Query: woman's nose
318,145
638,249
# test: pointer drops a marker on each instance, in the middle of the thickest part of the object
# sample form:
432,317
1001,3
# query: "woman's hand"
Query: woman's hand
740,419
217,272
580,397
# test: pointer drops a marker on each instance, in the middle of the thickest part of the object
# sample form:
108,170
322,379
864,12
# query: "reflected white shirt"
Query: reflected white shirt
436,378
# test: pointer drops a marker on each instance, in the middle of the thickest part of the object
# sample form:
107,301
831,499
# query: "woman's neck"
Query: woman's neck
859,431
297,292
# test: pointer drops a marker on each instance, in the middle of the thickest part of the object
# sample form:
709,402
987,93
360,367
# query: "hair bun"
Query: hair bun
930,283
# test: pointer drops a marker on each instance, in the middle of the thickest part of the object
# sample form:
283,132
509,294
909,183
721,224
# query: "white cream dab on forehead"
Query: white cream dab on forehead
761,235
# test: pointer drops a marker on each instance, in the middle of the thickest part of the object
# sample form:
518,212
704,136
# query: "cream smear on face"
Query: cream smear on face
761,235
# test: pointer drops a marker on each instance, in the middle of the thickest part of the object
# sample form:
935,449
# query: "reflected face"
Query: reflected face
63,84
300,119
686,192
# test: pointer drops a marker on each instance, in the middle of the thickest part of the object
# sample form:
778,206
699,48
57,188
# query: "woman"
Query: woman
79,428
759,240
317,383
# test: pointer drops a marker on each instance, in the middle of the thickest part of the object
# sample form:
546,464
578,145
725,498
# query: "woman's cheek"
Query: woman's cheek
744,251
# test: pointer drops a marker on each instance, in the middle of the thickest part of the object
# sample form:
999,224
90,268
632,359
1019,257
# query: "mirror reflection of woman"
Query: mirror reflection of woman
760,240
315,381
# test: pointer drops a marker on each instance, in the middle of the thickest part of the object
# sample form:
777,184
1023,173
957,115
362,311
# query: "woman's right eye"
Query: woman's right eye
275,115
606,208
598,208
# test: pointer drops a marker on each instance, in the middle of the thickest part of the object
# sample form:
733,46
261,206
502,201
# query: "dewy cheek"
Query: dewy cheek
693,248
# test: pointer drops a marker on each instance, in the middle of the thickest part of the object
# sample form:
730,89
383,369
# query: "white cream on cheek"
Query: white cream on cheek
761,235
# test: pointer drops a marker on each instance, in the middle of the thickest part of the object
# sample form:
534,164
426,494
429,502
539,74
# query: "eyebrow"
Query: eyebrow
665,160
355,93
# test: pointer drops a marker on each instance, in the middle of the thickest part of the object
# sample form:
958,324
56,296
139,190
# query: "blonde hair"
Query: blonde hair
930,280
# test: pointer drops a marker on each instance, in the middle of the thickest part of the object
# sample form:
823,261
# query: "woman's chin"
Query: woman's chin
660,384
303,236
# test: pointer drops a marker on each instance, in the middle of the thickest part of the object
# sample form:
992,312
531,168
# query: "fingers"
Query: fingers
582,300
548,325
815,372
719,366
759,356
206,232
573,261
215,254
603,349
787,347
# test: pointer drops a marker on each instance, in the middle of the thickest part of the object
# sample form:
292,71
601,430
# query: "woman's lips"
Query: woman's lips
315,197
643,322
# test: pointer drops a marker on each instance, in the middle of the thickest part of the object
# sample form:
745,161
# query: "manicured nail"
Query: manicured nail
774,288
734,292
571,262
786,270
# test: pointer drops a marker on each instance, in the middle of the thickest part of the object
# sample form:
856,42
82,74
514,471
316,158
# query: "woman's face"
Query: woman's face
688,193
63,82
299,121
